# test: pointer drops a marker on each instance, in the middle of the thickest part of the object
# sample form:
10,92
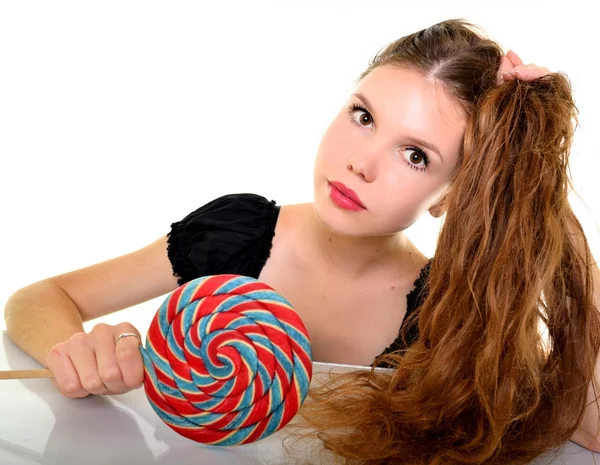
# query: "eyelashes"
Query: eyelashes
355,108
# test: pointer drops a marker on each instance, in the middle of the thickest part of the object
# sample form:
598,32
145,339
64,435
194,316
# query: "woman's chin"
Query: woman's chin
339,221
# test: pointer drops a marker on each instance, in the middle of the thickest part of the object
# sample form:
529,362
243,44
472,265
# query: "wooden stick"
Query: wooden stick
23,374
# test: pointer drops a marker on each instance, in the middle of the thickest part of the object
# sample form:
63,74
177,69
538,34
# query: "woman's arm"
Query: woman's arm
48,312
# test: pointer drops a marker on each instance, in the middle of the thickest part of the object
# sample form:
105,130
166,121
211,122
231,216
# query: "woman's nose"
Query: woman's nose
364,165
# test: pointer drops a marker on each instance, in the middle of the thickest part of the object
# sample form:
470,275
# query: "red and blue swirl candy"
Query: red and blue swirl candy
227,360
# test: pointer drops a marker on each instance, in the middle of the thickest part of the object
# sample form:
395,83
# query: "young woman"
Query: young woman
440,122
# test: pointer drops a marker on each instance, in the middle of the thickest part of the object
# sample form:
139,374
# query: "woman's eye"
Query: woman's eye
363,117
417,160
360,116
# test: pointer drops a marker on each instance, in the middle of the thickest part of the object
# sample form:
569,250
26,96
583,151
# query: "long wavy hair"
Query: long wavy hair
508,330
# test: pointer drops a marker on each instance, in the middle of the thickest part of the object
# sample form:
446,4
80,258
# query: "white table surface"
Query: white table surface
40,426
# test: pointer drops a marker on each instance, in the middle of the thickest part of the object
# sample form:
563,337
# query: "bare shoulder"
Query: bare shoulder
291,223
292,215
420,258
286,240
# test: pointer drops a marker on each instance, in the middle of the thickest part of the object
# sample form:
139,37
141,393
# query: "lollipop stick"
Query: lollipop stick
22,374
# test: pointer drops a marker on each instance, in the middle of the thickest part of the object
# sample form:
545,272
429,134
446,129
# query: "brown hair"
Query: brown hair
483,383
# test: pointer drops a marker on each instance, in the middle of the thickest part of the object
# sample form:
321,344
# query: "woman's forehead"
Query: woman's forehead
405,98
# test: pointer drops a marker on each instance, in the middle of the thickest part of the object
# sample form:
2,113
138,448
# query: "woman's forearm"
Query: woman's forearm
40,316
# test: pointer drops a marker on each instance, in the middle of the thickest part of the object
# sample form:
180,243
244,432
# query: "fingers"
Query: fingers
129,359
505,67
82,353
526,73
94,363
512,67
530,74
66,378
108,368
514,59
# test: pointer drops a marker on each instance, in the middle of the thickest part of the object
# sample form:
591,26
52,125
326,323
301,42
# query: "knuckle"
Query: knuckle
136,380
125,327
93,385
77,337
102,332
100,327
55,354
111,375
72,389
76,340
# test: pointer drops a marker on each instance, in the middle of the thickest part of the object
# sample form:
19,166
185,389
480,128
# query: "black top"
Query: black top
233,234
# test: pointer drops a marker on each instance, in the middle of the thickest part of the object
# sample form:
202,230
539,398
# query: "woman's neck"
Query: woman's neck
356,257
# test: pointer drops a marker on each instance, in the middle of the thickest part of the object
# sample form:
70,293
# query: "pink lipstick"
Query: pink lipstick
345,197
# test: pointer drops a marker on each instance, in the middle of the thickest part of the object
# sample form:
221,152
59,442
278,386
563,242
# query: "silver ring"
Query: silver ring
127,334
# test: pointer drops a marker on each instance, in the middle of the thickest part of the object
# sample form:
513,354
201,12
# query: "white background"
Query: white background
120,117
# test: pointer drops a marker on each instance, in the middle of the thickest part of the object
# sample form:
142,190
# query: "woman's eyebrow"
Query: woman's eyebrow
414,140
424,143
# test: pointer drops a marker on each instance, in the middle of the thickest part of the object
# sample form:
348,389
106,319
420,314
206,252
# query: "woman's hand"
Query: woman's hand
512,67
98,362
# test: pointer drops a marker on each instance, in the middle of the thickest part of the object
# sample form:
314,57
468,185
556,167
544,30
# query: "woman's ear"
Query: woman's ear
439,208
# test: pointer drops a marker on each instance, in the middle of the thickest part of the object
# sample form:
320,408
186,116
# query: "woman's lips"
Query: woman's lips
345,197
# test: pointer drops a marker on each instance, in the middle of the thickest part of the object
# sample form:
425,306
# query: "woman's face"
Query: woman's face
395,144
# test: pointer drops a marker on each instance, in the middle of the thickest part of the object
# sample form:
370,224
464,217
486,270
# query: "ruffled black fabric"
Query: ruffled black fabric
232,234
414,300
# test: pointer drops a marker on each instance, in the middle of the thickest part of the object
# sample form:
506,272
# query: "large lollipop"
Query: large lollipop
227,360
